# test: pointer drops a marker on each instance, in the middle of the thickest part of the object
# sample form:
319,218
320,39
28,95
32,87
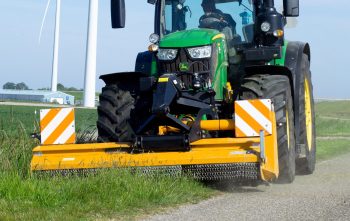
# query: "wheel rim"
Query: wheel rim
308,114
287,127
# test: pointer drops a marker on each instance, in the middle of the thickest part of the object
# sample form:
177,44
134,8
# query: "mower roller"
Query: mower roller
219,95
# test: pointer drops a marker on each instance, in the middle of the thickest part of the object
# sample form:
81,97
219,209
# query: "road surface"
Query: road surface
325,195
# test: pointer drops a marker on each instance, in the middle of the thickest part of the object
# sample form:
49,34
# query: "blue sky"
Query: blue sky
324,24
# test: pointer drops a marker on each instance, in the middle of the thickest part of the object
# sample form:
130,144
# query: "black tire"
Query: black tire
114,119
305,163
277,88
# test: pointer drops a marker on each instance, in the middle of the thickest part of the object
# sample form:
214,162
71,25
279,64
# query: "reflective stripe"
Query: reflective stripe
252,116
244,128
262,107
247,119
66,134
57,126
55,121
257,115
46,117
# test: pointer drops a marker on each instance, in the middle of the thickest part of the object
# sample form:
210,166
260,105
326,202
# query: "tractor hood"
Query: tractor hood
189,38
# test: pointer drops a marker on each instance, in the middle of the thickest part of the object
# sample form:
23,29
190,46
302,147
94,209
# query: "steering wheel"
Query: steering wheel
213,21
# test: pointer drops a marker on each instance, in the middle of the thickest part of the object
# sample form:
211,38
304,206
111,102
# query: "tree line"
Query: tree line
23,86
14,86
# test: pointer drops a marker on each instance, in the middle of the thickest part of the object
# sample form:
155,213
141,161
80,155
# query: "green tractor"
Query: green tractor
204,56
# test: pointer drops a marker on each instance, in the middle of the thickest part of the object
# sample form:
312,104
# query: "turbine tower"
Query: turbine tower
91,49
56,46
56,41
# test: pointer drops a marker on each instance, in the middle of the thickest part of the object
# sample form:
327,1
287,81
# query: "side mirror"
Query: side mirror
291,8
118,13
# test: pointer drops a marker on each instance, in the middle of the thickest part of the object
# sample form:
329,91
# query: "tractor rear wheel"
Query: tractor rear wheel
307,136
114,115
277,88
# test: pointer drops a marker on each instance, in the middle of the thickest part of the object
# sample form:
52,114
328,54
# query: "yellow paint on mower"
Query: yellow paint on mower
204,151
212,125
260,148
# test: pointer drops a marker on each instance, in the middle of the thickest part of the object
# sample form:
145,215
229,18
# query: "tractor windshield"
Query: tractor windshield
232,17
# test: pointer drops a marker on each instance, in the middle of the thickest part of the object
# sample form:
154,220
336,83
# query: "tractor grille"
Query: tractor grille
199,65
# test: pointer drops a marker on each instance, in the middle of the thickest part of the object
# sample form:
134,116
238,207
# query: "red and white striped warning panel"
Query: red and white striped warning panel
57,126
252,116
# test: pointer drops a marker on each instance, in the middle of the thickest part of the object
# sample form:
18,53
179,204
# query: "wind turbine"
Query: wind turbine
56,41
91,51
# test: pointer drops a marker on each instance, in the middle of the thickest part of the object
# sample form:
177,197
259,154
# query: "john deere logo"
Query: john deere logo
184,66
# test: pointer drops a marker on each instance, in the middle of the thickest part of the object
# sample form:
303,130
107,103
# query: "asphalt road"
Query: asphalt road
325,195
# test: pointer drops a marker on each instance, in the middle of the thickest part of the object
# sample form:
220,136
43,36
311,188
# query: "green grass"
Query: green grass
116,193
333,118
110,194
338,109
332,127
13,118
78,95
327,149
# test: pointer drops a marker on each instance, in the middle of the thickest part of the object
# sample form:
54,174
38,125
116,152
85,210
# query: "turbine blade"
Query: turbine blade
43,20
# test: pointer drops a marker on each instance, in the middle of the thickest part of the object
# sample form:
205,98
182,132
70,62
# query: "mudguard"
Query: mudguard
146,63
122,76
294,52
291,68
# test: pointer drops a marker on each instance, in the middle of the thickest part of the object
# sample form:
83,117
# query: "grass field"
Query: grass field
112,194
333,118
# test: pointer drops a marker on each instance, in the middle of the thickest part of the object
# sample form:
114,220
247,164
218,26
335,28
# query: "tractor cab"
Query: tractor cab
204,38
233,18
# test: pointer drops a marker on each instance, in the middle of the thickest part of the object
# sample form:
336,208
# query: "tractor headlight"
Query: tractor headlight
265,26
166,54
154,38
200,52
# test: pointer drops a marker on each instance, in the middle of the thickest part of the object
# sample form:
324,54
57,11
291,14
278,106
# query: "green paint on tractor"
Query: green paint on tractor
281,61
201,37
189,38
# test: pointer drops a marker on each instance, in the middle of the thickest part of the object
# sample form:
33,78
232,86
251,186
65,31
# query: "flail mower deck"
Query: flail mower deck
239,159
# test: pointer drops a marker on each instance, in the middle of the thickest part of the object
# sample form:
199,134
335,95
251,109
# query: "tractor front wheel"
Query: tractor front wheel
278,89
114,114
